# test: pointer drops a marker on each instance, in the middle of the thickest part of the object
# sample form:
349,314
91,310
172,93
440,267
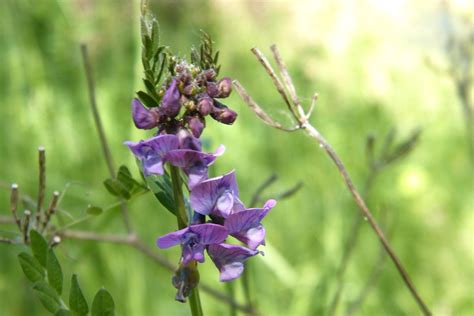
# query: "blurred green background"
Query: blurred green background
375,65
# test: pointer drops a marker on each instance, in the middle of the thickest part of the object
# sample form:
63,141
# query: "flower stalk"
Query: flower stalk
194,298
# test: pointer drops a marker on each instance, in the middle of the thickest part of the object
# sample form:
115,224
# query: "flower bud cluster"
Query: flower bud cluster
187,97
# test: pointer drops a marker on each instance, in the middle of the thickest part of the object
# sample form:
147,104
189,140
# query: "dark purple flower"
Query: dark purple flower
194,163
188,141
170,104
223,114
212,89
225,87
144,118
152,151
194,240
216,196
205,104
229,259
246,227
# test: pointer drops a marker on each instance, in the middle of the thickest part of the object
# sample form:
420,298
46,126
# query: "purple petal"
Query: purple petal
143,118
188,141
195,252
252,237
170,104
204,195
209,233
171,239
229,259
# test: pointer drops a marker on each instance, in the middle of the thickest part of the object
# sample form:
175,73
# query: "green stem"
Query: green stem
231,293
194,300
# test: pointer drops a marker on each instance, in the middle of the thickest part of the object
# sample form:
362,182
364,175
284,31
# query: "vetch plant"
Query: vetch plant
179,96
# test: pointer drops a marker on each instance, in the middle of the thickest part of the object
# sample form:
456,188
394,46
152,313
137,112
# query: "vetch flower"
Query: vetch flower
193,240
144,118
223,114
229,259
216,196
246,226
152,151
170,104
194,163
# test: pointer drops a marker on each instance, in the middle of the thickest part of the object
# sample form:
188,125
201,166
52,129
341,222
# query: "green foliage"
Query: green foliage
94,210
123,185
48,296
206,58
55,272
39,246
77,301
163,191
31,267
103,304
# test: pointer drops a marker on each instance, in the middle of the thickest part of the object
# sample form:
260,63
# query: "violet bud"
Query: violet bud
189,90
170,105
223,114
210,74
187,141
196,125
212,89
144,118
205,105
225,87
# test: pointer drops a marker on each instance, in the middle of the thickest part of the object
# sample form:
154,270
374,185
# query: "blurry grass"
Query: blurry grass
374,83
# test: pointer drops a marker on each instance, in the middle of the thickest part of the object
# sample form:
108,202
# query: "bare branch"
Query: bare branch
41,184
51,209
26,224
14,204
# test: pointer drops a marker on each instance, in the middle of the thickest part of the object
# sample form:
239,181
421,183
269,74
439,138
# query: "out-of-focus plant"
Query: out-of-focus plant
300,118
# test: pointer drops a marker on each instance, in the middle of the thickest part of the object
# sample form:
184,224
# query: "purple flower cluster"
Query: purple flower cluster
217,198
192,91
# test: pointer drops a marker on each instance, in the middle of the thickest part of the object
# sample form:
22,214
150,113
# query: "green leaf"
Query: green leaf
147,99
62,312
116,188
103,304
162,190
94,210
125,177
77,301
31,267
39,246
55,273
155,33
48,296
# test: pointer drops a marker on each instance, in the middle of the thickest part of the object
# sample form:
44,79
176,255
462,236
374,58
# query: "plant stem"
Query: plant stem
182,217
231,292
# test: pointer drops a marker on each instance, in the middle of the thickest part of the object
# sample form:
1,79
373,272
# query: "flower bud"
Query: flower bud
196,125
185,279
223,114
212,89
225,87
144,118
187,141
209,74
205,105
170,104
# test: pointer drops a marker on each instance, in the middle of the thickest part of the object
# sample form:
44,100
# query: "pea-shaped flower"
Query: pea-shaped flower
229,259
193,240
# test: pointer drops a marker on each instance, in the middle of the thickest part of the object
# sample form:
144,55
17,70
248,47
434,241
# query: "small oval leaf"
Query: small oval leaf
48,296
77,301
39,246
94,210
31,267
62,312
103,304
55,273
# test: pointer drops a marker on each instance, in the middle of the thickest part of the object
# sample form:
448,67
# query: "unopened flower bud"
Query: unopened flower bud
212,89
223,114
144,118
205,105
185,279
170,104
196,125
189,90
225,87
210,74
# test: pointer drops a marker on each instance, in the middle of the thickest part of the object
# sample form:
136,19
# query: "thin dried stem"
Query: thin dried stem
256,197
41,184
302,120
26,224
100,129
51,210
14,204
6,240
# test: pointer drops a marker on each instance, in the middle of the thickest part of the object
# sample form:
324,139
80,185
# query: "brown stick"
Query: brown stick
41,184
301,118
14,204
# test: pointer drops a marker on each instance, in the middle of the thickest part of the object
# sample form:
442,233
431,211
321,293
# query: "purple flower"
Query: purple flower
216,196
170,104
188,141
229,259
152,151
246,227
196,125
223,114
144,118
193,240
194,163
225,87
